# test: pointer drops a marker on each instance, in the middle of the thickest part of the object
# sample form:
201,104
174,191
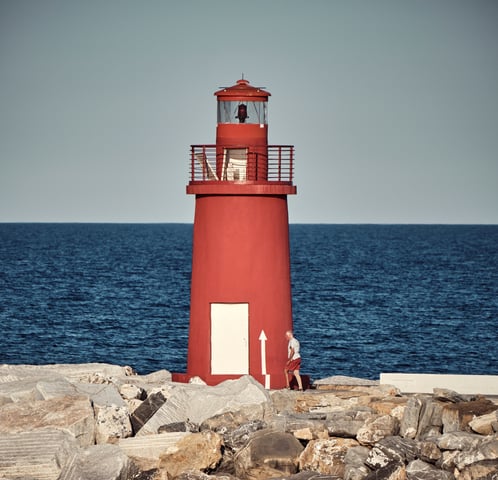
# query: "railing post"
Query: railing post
291,161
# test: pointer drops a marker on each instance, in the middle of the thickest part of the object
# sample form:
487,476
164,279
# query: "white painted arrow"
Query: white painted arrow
263,339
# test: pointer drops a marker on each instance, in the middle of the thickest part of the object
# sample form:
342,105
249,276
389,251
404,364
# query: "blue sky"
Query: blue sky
392,105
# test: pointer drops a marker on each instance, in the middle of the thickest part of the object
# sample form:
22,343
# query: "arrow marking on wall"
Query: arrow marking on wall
263,339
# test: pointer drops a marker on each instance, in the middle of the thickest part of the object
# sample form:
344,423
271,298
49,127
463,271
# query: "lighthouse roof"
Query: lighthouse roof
242,89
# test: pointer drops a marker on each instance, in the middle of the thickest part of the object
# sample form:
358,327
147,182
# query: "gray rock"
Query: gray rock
235,427
196,451
431,421
346,424
197,403
72,414
146,451
99,462
306,426
459,441
340,380
144,412
71,372
376,428
19,390
101,395
111,423
429,451
391,471
179,427
447,395
355,463
326,456
419,470
39,454
409,423
486,450
483,470
399,449
268,454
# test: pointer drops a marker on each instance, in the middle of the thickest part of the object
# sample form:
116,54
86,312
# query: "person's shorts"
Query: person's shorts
293,365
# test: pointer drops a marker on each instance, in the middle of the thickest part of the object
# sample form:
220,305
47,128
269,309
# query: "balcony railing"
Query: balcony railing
274,163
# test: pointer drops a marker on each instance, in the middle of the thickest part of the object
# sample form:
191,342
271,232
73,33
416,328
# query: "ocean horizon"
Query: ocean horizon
367,298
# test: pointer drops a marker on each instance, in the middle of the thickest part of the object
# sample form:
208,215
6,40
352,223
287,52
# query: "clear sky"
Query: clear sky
392,105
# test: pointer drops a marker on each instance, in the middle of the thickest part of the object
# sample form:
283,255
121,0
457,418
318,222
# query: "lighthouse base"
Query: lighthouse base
270,382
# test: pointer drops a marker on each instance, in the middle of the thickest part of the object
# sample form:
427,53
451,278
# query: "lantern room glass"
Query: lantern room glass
240,111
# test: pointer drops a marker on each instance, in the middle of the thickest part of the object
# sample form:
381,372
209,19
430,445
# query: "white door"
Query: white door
229,338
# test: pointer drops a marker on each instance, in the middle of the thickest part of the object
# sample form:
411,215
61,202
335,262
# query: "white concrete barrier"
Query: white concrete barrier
425,383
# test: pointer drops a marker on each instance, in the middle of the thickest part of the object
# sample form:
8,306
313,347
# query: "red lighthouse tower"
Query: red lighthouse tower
241,303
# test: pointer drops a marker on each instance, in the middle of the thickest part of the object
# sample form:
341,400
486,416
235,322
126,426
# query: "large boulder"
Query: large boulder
71,414
326,456
38,454
376,428
197,403
196,451
268,454
457,416
146,451
98,462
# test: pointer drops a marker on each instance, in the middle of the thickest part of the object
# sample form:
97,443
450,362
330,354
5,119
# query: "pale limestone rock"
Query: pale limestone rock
98,462
72,414
459,441
268,454
129,392
485,424
158,377
56,388
111,423
198,403
419,470
71,372
133,404
19,390
145,451
197,381
326,456
375,429
340,380
39,454
196,451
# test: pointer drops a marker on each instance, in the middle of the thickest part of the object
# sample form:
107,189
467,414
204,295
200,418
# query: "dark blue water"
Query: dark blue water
366,298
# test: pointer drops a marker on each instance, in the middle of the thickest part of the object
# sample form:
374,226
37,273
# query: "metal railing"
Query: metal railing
272,164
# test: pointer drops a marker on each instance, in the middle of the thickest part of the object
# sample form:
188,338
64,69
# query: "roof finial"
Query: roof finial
242,75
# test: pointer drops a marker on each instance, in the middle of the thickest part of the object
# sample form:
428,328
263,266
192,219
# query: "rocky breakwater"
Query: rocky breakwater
103,422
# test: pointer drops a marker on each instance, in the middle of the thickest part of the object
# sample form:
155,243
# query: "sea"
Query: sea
367,299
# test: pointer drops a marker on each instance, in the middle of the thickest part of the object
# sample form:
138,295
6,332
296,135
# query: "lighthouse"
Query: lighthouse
240,299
